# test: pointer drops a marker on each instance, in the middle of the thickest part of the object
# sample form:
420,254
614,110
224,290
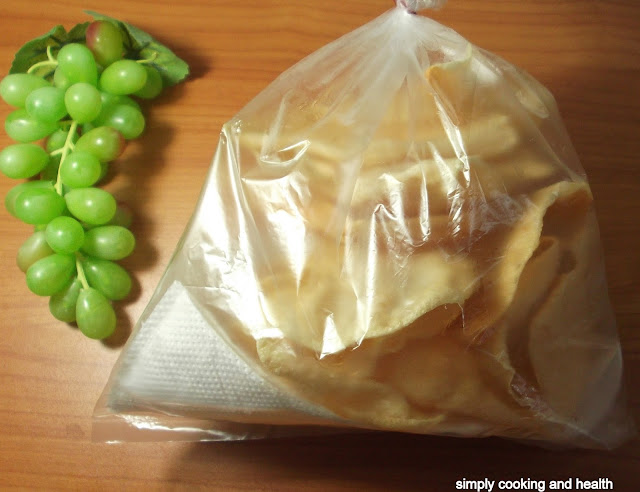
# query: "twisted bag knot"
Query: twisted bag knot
417,5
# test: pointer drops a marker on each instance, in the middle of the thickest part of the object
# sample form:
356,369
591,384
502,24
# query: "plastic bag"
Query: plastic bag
396,234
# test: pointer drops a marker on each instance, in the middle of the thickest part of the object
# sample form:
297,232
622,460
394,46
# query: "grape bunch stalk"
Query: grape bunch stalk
82,106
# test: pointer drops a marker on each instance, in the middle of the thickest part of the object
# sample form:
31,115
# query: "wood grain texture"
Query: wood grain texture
586,51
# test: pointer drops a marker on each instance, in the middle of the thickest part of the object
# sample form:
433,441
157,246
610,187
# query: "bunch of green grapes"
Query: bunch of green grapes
86,115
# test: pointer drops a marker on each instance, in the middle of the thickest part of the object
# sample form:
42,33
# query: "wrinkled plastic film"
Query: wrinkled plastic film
396,234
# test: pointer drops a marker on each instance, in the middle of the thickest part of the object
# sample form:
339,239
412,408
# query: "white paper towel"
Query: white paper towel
178,358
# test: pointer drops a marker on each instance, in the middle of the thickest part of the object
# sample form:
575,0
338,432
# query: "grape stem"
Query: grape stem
68,145
49,62
81,276
64,151
49,55
151,59
43,63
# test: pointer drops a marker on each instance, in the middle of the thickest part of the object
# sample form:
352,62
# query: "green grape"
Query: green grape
15,87
109,100
104,169
109,242
50,171
51,274
123,216
63,304
60,80
83,102
105,42
77,64
38,206
94,314
33,249
12,195
153,86
91,205
21,161
126,119
46,104
80,169
104,142
22,127
65,235
58,138
107,277
123,77
87,127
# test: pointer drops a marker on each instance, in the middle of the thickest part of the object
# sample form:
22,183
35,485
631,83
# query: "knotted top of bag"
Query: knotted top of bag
414,6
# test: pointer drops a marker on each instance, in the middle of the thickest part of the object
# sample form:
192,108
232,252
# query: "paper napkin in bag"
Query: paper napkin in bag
396,234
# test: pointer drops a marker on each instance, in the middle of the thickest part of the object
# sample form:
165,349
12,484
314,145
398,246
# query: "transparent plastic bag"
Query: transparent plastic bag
396,234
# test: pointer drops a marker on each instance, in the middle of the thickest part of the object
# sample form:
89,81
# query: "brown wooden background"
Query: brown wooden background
586,51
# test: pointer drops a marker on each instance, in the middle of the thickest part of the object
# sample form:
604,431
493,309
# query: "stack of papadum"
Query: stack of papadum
450,282
418,252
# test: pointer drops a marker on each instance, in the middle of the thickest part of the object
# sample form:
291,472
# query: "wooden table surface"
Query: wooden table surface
587,52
